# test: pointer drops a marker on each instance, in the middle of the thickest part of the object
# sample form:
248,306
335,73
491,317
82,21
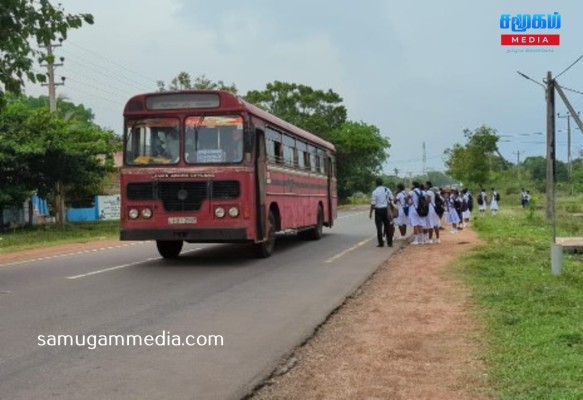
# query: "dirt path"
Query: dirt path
407,334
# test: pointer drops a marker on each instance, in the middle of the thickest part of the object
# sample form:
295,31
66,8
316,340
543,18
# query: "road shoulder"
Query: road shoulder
407,334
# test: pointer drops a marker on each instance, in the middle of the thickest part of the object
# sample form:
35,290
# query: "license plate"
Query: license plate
182,220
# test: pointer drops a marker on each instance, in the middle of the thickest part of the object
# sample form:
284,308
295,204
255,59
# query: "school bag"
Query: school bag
470,202
480,199
439,205
497,196
422,205
404,204
464,206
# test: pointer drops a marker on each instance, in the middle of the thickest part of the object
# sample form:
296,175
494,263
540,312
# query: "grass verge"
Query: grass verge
50,235
534,329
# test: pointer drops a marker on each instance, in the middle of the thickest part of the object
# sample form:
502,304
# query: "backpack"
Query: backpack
470,202
439,205
497,196
422,206
405,207
464,205
480,199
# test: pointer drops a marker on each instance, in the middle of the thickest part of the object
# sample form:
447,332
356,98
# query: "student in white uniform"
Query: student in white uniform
482,201
494,202
466,212
433,220
417,222
452,216
401,202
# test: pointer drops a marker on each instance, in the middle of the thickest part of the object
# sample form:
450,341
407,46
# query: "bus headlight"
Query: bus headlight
220,212
147,213
233,212
134,213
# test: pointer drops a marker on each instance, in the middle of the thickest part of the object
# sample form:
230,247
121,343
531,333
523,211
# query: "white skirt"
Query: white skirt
414,218
402,219
452,217
433,220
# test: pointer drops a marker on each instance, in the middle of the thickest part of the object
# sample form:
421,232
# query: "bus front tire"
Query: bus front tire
169,248
265,249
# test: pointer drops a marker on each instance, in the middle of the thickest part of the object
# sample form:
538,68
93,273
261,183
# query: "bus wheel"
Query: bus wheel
169,248
265,249
316,232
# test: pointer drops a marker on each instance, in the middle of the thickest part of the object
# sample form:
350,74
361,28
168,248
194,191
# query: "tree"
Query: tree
39,149
360,154
24,22
183,81
317,111
474,162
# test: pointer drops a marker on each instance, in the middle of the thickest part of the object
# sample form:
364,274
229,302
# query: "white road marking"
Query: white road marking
71,254
101,271
356,246
352,215
110,269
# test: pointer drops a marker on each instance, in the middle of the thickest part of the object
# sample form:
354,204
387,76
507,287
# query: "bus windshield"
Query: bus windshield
153,141
214,139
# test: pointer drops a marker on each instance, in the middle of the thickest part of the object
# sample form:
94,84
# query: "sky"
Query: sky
420,71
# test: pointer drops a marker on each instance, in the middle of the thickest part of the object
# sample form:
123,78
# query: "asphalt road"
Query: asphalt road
262,309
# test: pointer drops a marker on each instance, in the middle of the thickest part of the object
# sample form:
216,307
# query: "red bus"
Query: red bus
204,166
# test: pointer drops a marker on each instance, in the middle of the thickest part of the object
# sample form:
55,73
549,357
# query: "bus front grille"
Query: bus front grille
226,190
140,191
182,196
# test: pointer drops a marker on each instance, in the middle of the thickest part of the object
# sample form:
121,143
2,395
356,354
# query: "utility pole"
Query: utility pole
569,164
518,162
550,98
50,65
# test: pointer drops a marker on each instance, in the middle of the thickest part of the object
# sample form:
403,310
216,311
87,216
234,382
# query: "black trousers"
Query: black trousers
384,225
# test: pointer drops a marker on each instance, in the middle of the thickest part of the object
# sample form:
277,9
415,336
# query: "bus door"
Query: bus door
260,182
329,194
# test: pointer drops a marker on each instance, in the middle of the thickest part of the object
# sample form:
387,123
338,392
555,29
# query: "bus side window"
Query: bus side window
313,158
301,148
278,152
307,160
289,145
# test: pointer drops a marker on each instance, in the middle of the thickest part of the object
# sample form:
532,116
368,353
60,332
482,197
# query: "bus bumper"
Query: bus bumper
189,235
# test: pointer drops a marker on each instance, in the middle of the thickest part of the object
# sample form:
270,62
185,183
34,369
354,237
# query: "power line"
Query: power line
122,92
569,67
100,90
108,74
112,62
572,90
529,78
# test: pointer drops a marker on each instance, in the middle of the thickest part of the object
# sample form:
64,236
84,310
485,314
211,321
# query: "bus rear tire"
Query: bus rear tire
316,232
169,248
265,249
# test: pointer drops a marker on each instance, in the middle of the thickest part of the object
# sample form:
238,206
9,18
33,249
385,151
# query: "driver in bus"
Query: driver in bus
172,147
234,151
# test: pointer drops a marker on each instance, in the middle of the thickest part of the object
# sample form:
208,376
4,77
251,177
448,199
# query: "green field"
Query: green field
49,235
532,318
